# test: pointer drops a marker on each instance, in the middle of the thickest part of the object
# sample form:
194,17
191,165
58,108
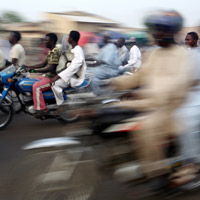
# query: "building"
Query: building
81,21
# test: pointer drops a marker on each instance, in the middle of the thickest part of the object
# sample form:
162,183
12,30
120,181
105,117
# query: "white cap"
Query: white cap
132,39
107,33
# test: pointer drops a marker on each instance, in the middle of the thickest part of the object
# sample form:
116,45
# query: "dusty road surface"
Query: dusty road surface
24,129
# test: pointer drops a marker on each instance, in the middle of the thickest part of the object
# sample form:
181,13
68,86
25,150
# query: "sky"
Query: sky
128,12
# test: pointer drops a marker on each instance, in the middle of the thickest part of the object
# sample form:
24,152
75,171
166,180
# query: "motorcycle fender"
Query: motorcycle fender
52,142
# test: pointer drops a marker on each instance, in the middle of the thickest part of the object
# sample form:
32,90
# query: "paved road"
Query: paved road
21,130
24,129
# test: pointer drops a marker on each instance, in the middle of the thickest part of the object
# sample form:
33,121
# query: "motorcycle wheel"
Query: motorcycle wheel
68,113
67,116
6,114
30,178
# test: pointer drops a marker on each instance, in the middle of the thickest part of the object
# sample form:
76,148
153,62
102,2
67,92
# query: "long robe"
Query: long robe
165,81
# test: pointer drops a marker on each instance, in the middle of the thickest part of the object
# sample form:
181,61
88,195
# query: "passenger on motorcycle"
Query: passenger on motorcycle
189,115
48,67
72,76
135,58
164,83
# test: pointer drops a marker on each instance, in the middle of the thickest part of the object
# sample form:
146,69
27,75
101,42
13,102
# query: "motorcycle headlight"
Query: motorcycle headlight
10,80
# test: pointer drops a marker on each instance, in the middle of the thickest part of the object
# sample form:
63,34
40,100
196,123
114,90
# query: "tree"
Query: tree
11,17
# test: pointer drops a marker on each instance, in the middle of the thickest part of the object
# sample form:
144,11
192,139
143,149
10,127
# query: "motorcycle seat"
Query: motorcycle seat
49,94
83,85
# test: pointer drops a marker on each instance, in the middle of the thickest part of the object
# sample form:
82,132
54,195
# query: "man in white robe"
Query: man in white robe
73,75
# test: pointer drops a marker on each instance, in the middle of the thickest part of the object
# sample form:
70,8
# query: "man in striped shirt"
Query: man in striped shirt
48,67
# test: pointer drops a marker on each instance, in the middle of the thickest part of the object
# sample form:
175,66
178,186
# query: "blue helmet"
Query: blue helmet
172,20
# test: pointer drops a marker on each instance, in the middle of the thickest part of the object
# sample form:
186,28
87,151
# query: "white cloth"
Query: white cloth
134,59
109,56
2,60
68,76
189,113
57,89
193,49
123,54
5,47
17,52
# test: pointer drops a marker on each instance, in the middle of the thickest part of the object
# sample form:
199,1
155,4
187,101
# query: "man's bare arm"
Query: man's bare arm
41,65
45,69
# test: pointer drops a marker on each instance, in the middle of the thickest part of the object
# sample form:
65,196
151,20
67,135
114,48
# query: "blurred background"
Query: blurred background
121,19
92,19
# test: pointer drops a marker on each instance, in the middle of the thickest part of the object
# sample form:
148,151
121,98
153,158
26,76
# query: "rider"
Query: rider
73,75
189,114
17,52
191,40
122,50
135,57
49,68
163,83
17,55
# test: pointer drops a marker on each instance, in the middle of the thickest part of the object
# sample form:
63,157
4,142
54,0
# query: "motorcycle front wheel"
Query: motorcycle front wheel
6,114
52,175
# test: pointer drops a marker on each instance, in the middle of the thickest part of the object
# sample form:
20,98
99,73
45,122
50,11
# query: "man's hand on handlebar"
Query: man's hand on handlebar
130,96
28,69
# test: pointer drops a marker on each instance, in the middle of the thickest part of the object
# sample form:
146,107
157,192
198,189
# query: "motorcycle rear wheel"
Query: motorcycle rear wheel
6,114
67,116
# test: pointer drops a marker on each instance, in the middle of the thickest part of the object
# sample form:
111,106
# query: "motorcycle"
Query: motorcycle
72,167
16,81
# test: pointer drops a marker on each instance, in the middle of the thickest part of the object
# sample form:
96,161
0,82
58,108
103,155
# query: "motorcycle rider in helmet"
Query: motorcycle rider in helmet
163,84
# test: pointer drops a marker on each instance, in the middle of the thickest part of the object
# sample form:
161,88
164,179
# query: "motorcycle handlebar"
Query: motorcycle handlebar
20,70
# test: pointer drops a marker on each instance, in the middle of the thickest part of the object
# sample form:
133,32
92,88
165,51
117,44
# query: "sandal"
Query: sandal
40,113
58,111
184,175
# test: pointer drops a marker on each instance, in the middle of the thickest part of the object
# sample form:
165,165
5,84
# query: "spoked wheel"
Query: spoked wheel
84,182
69,112
27,179
67,116
66,113
6,114
55,175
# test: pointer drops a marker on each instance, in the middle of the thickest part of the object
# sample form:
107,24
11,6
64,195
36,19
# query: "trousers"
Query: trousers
42,85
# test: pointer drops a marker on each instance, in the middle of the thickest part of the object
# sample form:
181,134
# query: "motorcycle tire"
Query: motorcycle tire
67,117
36,176
6,114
